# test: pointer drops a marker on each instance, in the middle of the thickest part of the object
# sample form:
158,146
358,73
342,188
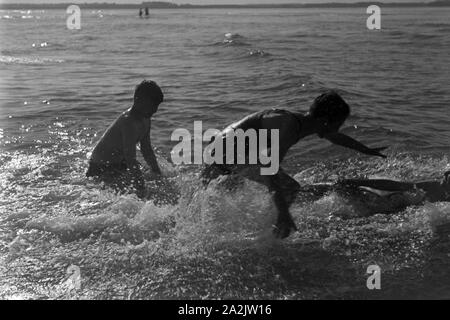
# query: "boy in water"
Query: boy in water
113,159
326,115
382,195
434,190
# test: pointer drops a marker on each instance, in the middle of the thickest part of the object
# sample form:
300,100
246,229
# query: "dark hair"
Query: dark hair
149,89
330,106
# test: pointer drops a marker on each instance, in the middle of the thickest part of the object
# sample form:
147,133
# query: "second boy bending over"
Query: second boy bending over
326,115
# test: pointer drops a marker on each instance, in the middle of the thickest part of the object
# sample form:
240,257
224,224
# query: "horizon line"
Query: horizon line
172,5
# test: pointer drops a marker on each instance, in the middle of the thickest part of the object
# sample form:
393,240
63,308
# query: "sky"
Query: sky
207,1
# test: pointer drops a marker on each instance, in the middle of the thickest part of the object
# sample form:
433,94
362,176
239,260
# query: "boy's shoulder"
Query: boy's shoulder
267,113
278,118
128,120
121,118
124,120
125,114
127,117
276,113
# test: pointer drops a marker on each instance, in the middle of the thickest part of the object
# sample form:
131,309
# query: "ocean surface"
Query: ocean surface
60,89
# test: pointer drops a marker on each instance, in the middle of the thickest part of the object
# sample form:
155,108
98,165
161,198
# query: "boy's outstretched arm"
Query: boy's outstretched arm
148,154
345,141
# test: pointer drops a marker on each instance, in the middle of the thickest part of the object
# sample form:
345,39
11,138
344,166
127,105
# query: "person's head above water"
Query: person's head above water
147,97
330,110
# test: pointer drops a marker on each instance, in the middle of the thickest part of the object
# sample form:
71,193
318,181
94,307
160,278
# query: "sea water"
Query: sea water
60,89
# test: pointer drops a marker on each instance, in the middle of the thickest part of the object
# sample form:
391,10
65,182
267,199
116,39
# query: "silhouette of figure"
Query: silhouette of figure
146,11
326,115
113,160
140,12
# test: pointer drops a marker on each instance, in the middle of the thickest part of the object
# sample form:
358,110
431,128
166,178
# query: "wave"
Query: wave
257,53
24,16
21,14
232,39
26,53
218,212
233,36
423,36
129,220
48,46
440,26
28,60
410,36
219,234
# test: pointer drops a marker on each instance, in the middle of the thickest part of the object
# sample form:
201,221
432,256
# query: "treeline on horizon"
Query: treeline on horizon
169,5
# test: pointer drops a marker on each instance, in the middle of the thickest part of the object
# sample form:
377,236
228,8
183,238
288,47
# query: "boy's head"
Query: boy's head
330,110
147,97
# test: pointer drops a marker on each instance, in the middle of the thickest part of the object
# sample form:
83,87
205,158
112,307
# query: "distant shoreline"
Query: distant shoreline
169,5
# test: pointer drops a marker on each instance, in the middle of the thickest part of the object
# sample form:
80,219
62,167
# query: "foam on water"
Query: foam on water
127,220
203,216
50,224
28,60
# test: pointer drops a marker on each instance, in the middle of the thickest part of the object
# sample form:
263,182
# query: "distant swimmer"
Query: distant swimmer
113,159
326,115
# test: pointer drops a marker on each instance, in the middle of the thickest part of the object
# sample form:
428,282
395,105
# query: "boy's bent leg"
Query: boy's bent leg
287,185
285,189
284,223
284,194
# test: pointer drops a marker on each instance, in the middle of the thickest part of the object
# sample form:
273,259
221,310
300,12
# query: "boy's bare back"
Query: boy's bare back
113,159
117,143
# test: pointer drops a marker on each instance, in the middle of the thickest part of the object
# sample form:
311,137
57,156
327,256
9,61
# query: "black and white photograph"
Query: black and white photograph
248,151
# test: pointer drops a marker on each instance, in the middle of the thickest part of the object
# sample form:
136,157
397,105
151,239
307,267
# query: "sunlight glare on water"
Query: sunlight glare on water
60,91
